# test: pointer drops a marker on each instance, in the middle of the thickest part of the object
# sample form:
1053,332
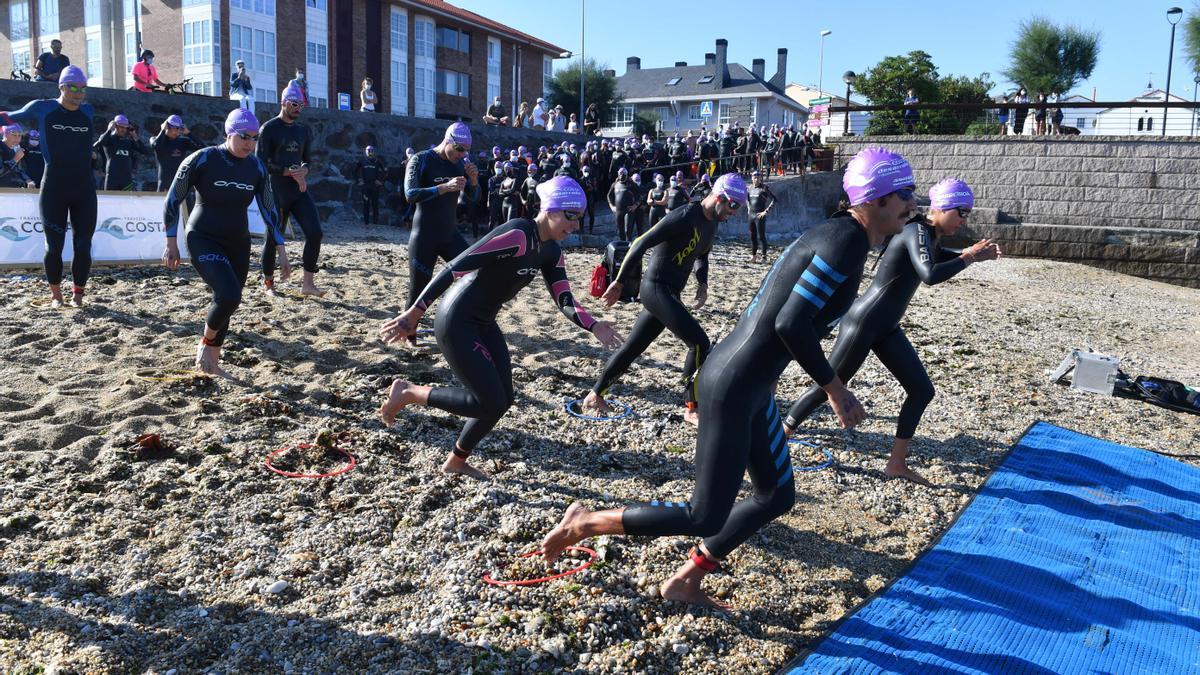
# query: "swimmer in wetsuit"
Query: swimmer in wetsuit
67,193
119,144
909,259
496,268
227,178
656,199
432,182
681,242
170,146
806,292
622,196
677,195
283,146
760,202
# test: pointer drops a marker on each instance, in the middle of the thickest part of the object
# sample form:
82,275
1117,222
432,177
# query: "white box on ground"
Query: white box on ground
1096,373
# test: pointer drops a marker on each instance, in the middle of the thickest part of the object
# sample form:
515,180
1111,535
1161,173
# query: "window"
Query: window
399,61
663,112
130,51
620,116
674,81
205,88
706,79
21,61
723,113
318,54
493,70
452,38
315,4
547,75
131,6
1080,123
197,42
1141,123
266,7
318,102
1149,124
94,69
423,67
18,21
423,39
454,83
694,113
255,47
48,16
91,12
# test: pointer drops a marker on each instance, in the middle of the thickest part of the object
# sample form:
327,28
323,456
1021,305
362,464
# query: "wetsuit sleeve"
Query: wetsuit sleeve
612,196
923,255
471,190
266,207
305,158
358,171
771,198
665,229
265,151
413,191
499,243
162,132
102,142
29,116
555,274
185,178
794,323
702,270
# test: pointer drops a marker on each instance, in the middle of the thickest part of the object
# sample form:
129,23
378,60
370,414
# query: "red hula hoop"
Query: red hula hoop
304,446
487,577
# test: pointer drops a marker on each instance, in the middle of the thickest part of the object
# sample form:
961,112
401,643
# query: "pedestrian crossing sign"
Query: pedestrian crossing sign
706,109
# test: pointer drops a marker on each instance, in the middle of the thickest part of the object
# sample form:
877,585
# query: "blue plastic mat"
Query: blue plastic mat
1077,556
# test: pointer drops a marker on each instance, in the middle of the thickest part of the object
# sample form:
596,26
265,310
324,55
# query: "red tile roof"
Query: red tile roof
484,22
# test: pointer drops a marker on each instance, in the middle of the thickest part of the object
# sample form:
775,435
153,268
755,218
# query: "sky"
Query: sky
964,38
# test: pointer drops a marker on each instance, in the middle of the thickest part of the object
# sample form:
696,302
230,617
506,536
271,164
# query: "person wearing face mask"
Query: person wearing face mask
510,192
300,83
368,173
171,145
118,145
496,113
432,182
642,209
656,199
910,258
807,291
622,199
67,190
34,162
226,178
495,200
529,196
1020,114
367,96
12,175
240,88
145,75
284,147
591,189
495,268
677,195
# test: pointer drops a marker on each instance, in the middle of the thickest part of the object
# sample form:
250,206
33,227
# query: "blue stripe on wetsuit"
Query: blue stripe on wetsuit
818,291
828,269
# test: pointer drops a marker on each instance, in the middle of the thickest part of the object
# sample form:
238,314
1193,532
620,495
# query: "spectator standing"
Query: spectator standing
1056,114
1039,115
573,125
522,118
367,96
553,121
591,120
50,64
1020,114
1002,115
538,116
300,83
240,89
910,113
145,75
496,114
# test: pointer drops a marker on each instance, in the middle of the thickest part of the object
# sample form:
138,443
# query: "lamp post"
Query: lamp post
582,61
1195,88
821,72
848,77
1173,16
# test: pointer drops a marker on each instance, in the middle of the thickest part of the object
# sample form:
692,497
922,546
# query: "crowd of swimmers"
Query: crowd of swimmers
729,389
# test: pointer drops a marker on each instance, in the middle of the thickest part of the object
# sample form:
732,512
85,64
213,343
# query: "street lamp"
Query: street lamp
821,75
582,24
1173,16
1195,88
848,77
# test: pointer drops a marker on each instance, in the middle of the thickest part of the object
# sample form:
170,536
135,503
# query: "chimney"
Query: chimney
681,64
610,73
710,59
780,78
721,80
632,63
759,68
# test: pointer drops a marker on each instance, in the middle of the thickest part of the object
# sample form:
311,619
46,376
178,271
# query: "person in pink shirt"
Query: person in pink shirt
145,75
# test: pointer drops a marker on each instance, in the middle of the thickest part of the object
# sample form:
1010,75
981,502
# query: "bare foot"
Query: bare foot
692,416
685,589
313,290
456,464
56,303
566,533
594,402
399,396
77,300
208,360
271,292
901,470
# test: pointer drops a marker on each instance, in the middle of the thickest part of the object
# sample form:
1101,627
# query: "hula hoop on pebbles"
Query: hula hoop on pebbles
487,577
823,465
170,375
626,411
305,446
47,303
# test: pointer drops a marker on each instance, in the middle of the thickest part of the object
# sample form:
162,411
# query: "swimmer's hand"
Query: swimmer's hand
612,293
701,296
403,326
285,266
607,334
845,404
170,256
981,251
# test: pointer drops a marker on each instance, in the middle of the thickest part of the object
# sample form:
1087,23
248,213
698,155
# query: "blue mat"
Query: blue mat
1077,556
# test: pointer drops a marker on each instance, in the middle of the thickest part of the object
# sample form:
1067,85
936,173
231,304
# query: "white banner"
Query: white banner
129,229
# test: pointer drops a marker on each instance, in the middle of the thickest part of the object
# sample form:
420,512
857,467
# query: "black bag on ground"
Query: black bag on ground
614,255
1168,394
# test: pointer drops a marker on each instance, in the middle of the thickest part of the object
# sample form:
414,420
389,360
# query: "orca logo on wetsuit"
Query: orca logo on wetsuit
530,271
232,184
61,127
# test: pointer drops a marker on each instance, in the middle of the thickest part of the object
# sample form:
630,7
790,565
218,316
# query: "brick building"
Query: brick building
427,58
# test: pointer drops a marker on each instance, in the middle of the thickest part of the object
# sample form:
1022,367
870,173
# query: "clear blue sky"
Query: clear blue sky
964,38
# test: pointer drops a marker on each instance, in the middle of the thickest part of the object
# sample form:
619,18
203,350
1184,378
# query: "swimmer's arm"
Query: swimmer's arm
27,116
265,151
497,244
555,275
794,323
701,269
266,207
185,178
924,254
413,191
663,230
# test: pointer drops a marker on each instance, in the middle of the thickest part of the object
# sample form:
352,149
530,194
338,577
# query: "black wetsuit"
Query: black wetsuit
510,192
170,153
497,267
435,224
641,210
218,231
805,293
911,258
369,174
657,212
68,191
621,199
118,152
529,196
495,201
11,173
759,198
681,241
589,183
676,197
34,163
283,146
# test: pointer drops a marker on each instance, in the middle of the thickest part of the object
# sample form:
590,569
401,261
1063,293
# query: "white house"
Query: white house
831,124
1138,121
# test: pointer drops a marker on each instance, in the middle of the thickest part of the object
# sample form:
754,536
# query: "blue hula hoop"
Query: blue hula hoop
625,411
828,456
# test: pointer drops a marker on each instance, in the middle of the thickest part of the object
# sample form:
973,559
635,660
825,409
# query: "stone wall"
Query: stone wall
1127,204
340,136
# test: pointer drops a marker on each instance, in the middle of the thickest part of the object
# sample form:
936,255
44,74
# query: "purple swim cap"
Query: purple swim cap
658,178
241,121
72,75
637,178
521,150
732,187
175,121
533,167
951,193
562,193
291,93
121,121
459,133
705,179
507,165
34,134
622,171
13,129
755,172
875,172
495,150
369,148
679,175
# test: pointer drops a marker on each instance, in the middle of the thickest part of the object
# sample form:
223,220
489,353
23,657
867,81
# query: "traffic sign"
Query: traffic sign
823,100
343,101
706,109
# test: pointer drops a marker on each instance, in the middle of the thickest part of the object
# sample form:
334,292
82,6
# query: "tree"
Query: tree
1191,39
888,82
1050,58
598,88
